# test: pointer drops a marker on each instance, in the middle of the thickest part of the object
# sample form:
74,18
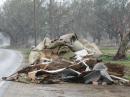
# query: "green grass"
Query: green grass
107,58
108,54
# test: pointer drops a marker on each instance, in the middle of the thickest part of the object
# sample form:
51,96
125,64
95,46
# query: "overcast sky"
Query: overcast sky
1,2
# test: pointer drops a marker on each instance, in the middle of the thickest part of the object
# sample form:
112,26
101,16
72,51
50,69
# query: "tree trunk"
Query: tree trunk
121,53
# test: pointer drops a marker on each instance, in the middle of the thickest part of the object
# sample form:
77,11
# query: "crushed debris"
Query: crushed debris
68,59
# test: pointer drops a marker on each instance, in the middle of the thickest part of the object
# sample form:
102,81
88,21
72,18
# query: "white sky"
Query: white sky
1,2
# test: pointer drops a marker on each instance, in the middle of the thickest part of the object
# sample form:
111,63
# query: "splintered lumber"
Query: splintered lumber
34,74
119,78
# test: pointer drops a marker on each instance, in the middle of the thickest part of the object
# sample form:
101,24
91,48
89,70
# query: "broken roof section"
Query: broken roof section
68,59
66,47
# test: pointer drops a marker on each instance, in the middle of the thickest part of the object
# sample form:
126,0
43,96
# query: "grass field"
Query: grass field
108,54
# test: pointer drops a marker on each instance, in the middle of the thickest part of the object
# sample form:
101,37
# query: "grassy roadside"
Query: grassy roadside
107,56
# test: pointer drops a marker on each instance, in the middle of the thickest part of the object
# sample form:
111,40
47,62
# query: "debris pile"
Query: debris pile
68,59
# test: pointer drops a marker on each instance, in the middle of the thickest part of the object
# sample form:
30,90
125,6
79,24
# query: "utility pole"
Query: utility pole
34,25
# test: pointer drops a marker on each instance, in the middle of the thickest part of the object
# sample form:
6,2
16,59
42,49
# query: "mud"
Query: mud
66,90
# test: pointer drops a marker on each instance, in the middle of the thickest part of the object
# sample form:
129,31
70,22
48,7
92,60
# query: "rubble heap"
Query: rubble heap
68,59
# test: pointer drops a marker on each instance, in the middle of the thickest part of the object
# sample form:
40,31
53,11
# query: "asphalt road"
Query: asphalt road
10,61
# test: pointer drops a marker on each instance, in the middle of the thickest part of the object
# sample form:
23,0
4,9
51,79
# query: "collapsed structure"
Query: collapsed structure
68,59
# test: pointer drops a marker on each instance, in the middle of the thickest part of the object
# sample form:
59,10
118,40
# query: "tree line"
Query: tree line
56,17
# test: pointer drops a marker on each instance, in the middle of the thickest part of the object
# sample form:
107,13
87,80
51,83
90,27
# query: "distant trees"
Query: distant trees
121,23
96,17
113,18
18,20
